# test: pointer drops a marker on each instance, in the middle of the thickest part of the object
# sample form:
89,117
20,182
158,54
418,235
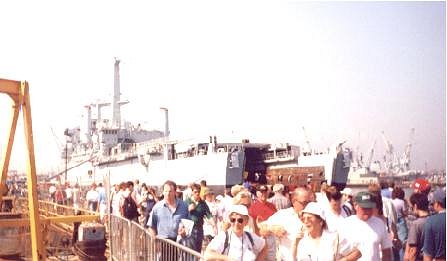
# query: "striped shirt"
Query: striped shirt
280,201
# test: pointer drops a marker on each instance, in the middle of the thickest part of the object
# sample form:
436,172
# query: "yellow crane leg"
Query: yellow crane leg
33,205
11,88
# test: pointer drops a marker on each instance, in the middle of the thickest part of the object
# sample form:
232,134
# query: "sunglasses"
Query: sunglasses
239,220
304,203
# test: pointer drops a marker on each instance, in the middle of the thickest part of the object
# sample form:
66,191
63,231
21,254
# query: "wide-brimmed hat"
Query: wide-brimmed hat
365,200
315,209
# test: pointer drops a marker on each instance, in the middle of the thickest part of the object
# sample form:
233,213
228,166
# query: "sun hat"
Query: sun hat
365,200
315,209
219,197
239,209
347,191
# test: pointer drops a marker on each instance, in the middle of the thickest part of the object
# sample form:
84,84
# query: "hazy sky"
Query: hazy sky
255,69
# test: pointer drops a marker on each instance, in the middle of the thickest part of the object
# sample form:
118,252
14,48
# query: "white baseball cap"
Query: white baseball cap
239,209
347,191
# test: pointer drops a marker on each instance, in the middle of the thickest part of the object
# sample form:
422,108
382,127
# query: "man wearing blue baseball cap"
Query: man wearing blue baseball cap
434,229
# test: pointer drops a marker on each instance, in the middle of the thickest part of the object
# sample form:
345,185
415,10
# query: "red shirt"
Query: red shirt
261,209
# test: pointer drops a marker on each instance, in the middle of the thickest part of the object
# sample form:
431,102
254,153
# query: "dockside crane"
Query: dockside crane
405,159
389,154
371,154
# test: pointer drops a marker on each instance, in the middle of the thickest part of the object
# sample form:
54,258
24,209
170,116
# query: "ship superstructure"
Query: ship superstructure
98,140
109,149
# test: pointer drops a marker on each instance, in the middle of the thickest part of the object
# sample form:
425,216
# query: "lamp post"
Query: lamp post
66,160
166,132
67,136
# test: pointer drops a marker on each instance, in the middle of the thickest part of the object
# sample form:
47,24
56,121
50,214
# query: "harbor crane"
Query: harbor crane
405,159
389,156
371,154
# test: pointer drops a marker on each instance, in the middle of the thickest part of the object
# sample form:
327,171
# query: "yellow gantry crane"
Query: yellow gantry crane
18,91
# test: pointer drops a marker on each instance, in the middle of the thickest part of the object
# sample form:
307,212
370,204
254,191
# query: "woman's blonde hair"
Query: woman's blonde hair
241,196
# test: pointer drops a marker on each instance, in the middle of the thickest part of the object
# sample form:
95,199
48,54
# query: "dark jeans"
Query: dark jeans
197,238
93,205
194,242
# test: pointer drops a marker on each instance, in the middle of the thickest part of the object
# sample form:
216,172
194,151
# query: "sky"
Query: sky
262,70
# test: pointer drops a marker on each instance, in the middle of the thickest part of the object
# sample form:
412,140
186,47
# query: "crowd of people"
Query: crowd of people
263,222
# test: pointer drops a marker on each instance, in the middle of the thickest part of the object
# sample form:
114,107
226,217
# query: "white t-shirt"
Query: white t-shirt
370,236
334,222
239,248
52,189
290,221
399,205
207,226
116,203
326,249
69,192
92,195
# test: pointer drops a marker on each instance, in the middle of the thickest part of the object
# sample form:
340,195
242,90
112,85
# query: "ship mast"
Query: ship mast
116,104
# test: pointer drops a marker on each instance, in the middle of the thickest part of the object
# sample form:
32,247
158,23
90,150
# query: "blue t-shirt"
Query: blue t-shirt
434,236
164,221
102,195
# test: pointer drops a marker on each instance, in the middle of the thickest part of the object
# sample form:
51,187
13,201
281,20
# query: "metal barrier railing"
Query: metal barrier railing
130,241
127,240
119,238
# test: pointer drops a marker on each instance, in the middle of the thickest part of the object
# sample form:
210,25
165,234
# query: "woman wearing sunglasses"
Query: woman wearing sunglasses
315,242
235,243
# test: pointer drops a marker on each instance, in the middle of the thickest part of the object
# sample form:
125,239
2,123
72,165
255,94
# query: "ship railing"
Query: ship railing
118,156
131,241
279,155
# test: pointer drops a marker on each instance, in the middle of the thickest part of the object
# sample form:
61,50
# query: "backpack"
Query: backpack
226,243
129,208
150,203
